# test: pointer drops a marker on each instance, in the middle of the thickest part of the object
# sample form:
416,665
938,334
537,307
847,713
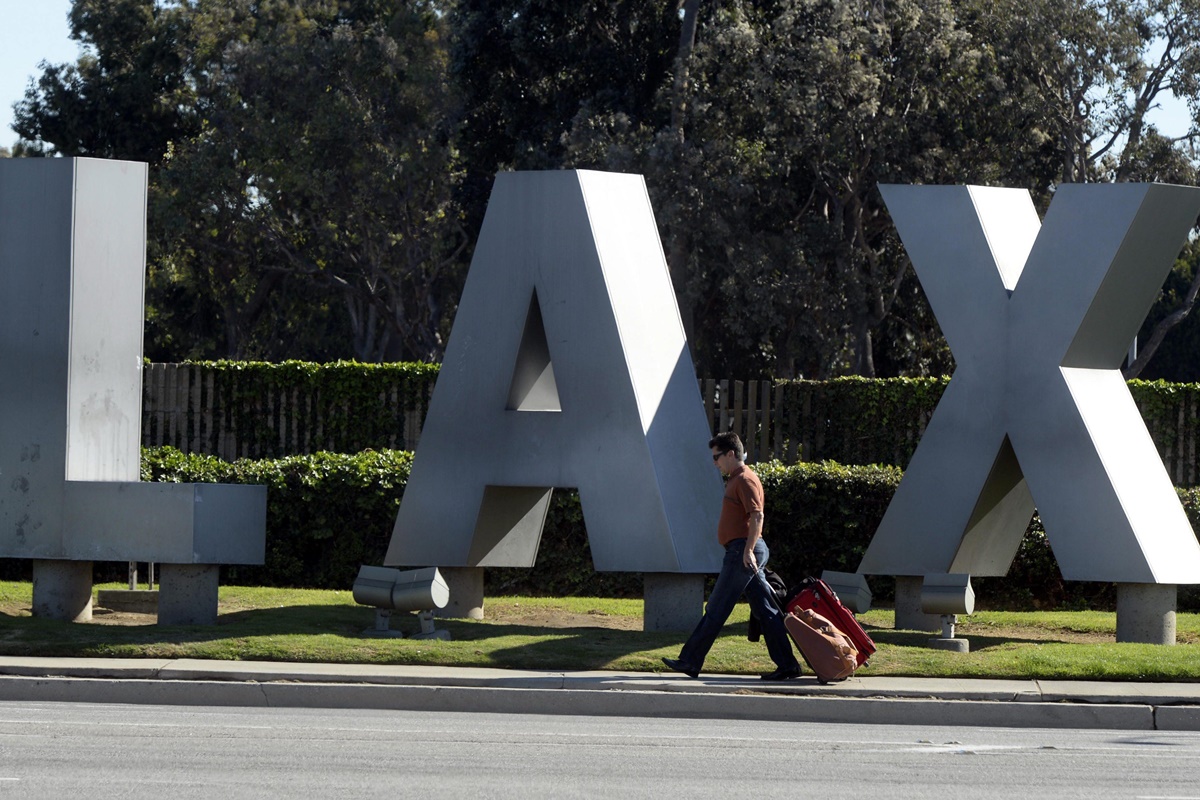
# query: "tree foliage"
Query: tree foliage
792,114
303,166
526,69
349,161
126,97
321,166
1092,71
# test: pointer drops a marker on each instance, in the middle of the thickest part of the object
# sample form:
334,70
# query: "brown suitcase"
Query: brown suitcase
828,651
815,593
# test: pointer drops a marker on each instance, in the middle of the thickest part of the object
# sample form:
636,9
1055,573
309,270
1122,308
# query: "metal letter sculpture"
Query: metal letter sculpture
72,264
1039,317
567,367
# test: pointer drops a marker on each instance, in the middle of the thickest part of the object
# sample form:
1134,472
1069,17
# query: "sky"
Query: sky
32,31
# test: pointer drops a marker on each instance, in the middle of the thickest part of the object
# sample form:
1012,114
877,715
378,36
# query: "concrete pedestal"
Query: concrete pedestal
672,601
952,645
1146,613
62,590
133,601
909,616
466,593
187,594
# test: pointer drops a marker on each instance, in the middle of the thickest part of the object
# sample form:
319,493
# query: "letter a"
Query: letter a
567,367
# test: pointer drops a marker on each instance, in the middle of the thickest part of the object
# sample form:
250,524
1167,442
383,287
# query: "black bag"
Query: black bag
779,587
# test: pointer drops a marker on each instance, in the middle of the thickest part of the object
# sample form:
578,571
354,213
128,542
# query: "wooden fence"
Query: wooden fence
197,410
852,421
184,406
756,412
817,420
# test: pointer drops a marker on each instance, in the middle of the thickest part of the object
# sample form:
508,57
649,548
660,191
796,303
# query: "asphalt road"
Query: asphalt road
67,750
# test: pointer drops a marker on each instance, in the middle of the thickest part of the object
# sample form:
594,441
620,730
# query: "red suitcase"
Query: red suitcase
815,594
828,651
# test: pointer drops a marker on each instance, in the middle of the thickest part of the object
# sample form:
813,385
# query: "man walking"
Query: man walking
739,531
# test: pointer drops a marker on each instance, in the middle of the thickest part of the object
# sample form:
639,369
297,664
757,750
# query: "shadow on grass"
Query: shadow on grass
533,646
353,621
55,637
921,639
590,648
473,643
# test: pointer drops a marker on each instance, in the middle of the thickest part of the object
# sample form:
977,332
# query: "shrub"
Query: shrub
328,513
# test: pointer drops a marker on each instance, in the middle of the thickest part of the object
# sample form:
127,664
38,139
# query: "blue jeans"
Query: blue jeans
734,580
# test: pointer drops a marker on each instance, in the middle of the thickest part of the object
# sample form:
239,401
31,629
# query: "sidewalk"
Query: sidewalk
912,701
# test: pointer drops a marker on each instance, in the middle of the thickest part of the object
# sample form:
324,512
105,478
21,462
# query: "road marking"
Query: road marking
117,724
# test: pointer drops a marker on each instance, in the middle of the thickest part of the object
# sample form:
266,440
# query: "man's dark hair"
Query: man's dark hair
728,441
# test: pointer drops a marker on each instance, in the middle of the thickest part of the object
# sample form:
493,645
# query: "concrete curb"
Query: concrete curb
598,702
915,701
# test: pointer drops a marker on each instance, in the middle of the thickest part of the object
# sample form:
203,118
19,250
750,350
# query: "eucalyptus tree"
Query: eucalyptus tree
339,113
526,70
302,167
791,115
126,97
1087,73
1090,72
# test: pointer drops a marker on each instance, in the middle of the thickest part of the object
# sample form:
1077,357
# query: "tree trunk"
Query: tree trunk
679,242
687,41
1164,326
864,356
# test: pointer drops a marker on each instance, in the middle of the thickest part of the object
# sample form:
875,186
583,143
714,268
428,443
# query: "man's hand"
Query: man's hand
756,526
748,560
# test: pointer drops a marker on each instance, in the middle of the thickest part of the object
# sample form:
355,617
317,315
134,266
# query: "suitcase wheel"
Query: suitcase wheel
827,681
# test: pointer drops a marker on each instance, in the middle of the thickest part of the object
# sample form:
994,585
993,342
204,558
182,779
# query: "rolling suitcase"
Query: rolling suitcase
828,652
816,595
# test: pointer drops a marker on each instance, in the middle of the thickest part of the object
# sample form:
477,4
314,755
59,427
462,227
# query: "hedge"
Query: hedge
236,409
328,514
881,420
822,516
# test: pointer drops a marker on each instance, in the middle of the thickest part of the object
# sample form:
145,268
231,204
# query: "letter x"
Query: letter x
1039,317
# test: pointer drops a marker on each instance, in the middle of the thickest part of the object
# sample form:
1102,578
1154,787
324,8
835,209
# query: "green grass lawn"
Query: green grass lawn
581,633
